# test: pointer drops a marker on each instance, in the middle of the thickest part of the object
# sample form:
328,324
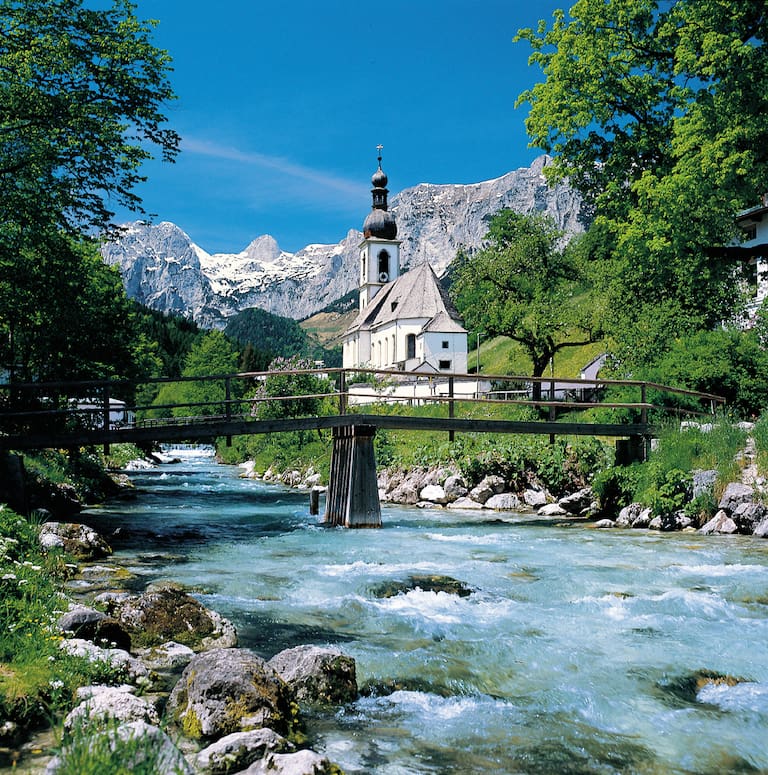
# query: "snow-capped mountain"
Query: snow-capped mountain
163,269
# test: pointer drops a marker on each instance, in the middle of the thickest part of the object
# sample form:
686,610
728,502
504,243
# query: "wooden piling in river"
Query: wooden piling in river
353,493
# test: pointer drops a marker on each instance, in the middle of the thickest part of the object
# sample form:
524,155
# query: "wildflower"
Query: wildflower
9,577
57,684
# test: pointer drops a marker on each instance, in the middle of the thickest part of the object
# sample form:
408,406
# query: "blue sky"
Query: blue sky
283,102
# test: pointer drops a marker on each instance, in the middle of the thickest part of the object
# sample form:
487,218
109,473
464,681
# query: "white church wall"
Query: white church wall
447,352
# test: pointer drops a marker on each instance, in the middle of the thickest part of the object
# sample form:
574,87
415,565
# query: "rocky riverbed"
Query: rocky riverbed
188,695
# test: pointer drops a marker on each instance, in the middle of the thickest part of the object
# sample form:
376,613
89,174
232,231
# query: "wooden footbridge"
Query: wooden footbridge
351,403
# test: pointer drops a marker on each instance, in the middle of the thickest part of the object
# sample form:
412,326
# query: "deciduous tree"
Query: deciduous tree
657,110
523,285
82,95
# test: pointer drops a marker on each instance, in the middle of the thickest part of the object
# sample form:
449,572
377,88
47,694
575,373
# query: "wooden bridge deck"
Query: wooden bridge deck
203,429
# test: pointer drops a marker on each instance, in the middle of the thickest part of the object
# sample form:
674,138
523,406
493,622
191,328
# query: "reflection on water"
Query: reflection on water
567,656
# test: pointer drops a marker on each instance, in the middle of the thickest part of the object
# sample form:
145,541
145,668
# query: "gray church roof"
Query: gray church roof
417,294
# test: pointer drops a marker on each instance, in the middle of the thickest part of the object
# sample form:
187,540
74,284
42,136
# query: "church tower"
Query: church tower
379,250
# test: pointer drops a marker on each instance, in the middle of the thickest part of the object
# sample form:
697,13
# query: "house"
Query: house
406,320
753,251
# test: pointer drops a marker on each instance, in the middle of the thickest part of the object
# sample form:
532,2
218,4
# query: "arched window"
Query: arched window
410,346
383,266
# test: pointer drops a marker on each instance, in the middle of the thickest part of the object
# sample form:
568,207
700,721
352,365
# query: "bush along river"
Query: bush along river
557,649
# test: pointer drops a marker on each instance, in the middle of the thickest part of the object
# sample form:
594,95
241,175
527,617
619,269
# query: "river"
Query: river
576,651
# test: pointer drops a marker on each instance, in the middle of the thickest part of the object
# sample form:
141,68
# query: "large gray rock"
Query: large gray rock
552,510
629,514
433,493
81,541
229,690
504,501
490,485
111,703
90,624
748,516
239,750
720,523
455,487
704,482
535,498
577,501
735,494
317,675
299,763
465,503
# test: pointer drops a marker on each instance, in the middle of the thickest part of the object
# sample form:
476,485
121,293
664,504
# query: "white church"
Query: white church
406,320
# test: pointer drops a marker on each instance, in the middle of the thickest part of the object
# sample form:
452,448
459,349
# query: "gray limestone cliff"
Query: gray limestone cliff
163,269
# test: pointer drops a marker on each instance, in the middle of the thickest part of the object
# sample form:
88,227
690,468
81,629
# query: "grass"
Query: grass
501,355
116,750
37,680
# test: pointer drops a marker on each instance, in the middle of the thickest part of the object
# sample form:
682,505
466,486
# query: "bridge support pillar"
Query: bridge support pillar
353,491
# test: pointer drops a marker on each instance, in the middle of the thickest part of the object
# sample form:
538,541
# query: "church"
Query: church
406,320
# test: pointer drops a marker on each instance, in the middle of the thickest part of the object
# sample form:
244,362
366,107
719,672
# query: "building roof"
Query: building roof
415,295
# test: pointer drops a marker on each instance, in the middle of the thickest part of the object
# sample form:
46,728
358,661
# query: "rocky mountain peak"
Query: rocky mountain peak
164,269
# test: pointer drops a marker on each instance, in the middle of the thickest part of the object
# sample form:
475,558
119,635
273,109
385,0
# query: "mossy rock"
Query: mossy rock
427,583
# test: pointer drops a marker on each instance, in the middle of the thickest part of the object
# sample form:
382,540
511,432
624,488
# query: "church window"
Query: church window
445,344
383,266
444,365
393,306
410,346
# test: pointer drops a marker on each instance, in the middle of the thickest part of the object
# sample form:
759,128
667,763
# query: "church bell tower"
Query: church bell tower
379,250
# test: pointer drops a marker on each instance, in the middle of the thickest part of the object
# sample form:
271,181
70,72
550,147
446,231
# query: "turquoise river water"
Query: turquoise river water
577,651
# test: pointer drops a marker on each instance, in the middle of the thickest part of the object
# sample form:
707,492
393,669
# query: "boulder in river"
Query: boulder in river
229,690
165,612
427,583
317,675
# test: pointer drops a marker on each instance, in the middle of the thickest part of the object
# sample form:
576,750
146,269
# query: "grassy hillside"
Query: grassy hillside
327,327
503,356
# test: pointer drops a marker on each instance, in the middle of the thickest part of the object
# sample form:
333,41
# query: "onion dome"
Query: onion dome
380,222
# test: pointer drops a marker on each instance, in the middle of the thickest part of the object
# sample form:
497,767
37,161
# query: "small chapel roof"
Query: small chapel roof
416,294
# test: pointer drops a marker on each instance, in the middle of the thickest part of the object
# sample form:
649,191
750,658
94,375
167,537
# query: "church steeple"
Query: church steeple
380,250
380,222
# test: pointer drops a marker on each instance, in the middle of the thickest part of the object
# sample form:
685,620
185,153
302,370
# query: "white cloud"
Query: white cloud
278,164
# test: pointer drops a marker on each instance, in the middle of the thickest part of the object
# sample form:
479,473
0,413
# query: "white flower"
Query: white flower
9,577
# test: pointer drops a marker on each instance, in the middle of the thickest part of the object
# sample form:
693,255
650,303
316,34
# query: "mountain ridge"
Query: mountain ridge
164,269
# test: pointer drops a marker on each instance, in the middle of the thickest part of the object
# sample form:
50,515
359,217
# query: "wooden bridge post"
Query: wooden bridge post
353,492
228,405
552,410
342,392
105,414
451,408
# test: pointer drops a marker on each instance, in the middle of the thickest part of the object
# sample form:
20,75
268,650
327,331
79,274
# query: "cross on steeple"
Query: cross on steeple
379,148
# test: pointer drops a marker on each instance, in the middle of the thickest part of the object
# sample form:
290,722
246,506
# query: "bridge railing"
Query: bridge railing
57,407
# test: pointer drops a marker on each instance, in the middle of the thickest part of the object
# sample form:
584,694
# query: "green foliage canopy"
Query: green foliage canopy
82,93
658,114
